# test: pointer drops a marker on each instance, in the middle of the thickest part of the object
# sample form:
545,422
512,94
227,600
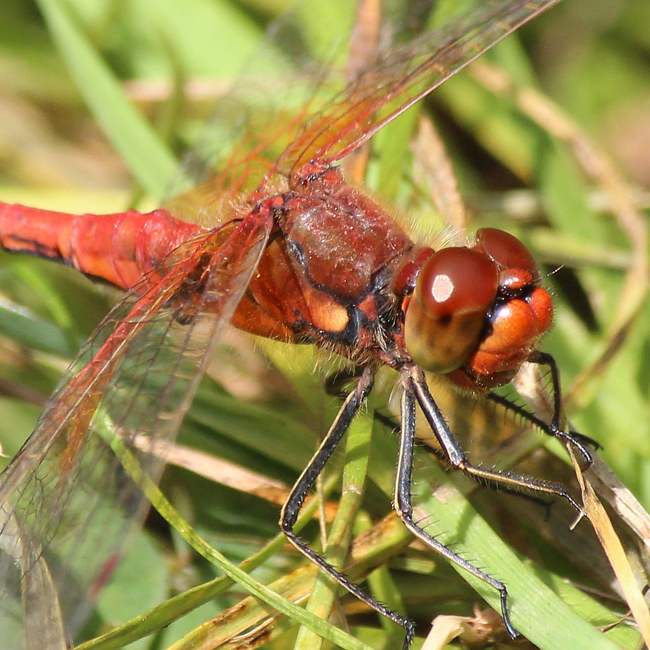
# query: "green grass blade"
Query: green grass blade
142,150
536,610
171,515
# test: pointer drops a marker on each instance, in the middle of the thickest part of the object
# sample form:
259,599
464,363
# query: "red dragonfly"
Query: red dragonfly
276,243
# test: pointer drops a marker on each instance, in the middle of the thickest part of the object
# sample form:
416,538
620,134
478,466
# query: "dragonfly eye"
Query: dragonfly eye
447,313
523,314
517,266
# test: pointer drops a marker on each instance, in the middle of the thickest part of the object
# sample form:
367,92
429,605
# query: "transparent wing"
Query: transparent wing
66,503
403,77
324,116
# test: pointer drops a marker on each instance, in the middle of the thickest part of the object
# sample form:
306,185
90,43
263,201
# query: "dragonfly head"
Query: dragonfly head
476,313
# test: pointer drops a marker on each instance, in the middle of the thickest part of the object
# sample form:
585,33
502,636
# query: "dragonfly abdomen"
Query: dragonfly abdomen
119,248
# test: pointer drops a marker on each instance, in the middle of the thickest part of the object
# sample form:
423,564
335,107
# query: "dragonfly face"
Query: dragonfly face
294,253
479,310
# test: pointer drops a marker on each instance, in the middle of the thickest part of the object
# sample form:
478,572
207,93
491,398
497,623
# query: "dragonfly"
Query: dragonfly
275,242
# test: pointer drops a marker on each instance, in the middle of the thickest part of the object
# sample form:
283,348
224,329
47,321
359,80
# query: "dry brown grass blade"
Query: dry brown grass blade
223,472
249,614
615,553
431,155
602,480
364,44
617,495
245,623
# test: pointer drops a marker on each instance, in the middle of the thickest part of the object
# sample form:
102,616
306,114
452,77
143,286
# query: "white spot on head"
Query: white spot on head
442,288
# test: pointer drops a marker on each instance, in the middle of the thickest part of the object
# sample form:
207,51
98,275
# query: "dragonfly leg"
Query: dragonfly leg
404,505
457,458
334,386
578,440
575,439
297,496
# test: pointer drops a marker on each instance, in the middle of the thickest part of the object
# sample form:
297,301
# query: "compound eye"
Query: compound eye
446,316
517,266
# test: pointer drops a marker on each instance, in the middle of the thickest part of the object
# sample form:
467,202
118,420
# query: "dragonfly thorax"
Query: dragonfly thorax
325,275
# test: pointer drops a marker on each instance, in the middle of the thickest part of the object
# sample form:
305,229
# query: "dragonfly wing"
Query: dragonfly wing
135,378
324,115
250,126
401,78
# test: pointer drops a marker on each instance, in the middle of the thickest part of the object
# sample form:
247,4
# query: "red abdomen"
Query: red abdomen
119,248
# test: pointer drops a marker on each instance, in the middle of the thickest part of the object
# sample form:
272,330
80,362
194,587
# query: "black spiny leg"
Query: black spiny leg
403,500
576,440
296,498
456,456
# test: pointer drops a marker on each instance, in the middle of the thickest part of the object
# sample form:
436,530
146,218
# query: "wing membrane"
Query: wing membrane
140,372
324,116
403,77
